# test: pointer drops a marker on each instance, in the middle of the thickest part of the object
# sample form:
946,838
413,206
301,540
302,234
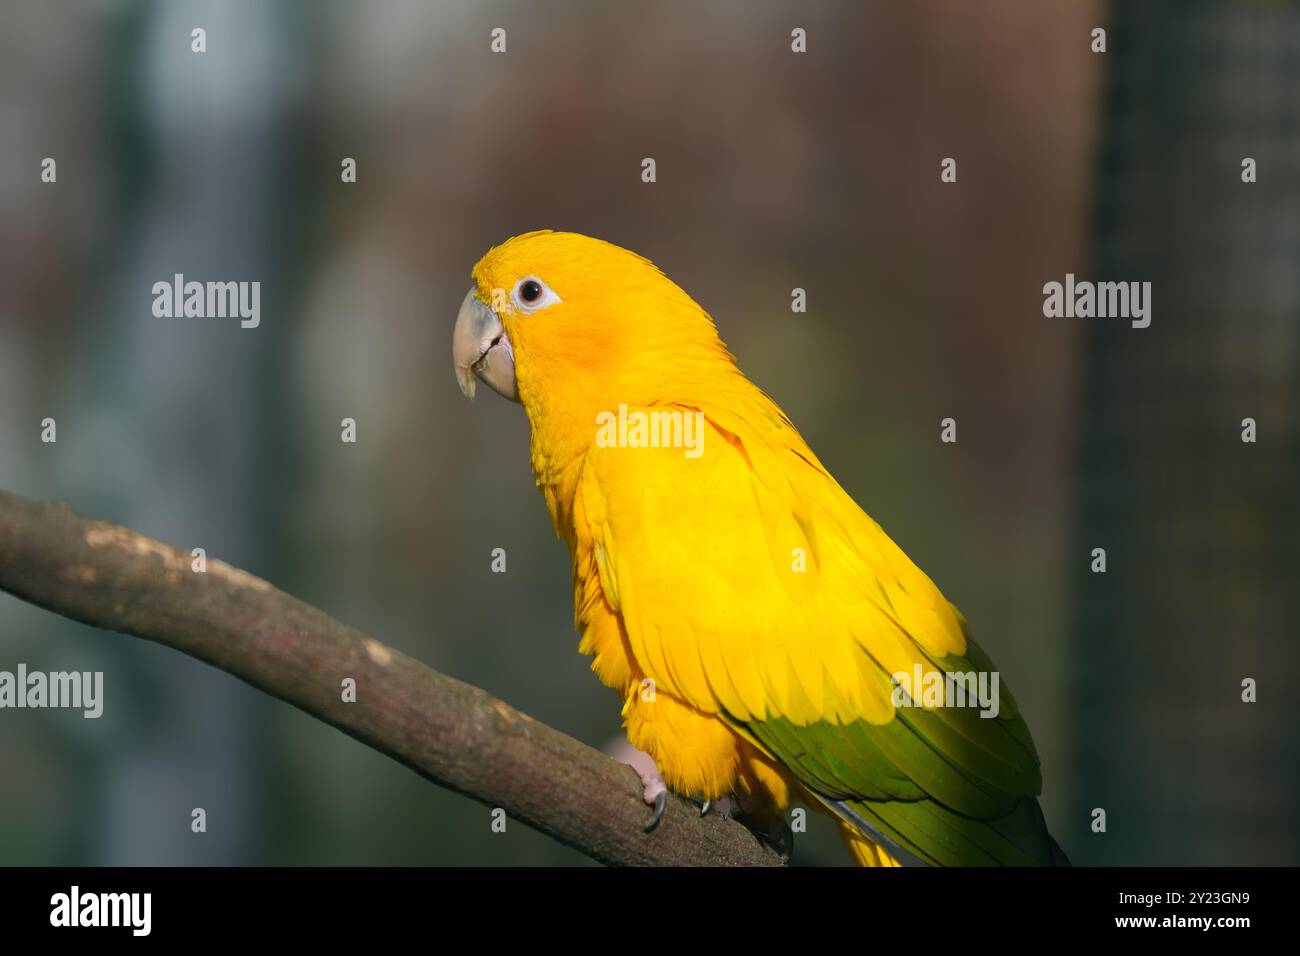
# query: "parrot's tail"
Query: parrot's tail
879,834
864,852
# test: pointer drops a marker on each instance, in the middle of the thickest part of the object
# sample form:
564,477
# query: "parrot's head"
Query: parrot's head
568,325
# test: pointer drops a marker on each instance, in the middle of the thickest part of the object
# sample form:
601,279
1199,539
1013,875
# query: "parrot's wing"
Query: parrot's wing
751,586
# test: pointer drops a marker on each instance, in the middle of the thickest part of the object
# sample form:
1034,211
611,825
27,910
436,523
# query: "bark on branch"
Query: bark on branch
453,734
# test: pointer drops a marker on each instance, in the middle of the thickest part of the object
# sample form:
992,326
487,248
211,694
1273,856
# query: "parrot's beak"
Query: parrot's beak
480,348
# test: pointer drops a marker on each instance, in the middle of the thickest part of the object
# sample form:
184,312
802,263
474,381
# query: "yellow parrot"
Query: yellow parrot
768,640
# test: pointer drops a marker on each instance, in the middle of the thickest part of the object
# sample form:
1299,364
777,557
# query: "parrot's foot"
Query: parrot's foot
655,794
781,838
723,807
768,824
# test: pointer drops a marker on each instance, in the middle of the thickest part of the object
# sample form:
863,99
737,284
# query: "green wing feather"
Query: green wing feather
944,787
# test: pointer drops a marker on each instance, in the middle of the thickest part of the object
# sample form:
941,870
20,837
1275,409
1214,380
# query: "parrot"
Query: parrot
762,631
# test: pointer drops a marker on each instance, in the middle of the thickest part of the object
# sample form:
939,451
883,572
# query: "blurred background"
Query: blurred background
775,170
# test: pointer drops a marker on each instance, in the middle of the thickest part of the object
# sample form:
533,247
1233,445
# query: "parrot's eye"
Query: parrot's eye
532,294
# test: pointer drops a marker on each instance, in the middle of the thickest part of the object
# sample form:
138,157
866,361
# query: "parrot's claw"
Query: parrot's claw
661,802
723,807
656,794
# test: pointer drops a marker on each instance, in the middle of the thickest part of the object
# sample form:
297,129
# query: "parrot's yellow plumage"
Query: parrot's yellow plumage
748,612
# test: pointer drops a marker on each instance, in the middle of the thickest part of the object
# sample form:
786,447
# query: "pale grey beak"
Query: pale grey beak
480,348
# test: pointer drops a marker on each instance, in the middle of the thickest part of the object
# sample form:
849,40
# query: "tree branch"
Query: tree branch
453,734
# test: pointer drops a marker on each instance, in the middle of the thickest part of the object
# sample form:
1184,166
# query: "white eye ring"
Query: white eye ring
546,297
